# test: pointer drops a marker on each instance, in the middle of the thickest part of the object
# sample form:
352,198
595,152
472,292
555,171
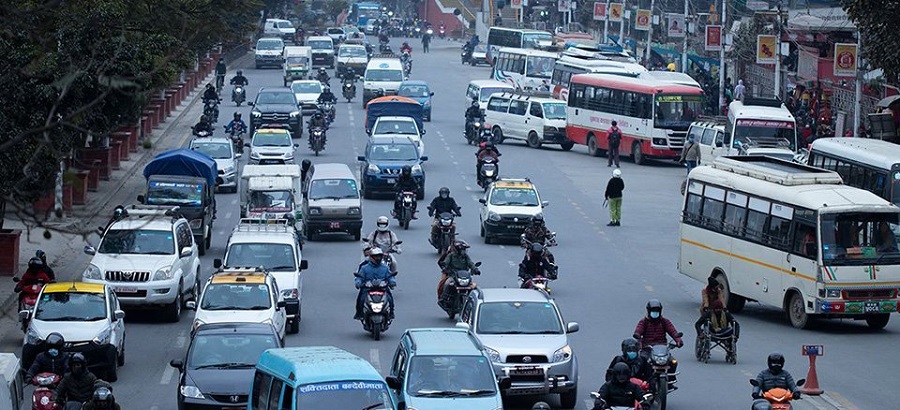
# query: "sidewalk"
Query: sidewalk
65,250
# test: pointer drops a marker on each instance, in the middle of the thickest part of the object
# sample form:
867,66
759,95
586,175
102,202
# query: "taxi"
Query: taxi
90,320
507,208
240,296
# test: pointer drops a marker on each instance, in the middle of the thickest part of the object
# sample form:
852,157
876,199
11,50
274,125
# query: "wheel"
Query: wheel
172,311
569,399
706,350
376,332
482,231
797,312
112,373
593,149
487,239
420,194
357,235
497,133
258,66
533,140
662,391
878,321
567,146
201,247
317,152
293,326
637,155
405,224
698,347
195,291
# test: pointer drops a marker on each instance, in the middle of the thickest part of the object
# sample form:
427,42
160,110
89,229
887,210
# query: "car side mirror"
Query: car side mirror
504,383
140,198
368,131
88,249
424,132
120,314
360,158
432,93
545,204
178,364
394,382
186,252
477,264
398,243
304,265
424,158
801,382
250,103
482,201
296,145
238,155
23,315
217,263
190,305
572,327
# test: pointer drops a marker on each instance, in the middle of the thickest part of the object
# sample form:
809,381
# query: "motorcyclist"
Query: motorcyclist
203,125
77,386
318,120
473,113
619,391
47,269
33,275
440,204
210,94
236,122
774,377
405,183
640,367
651,330
486,150
51,361
102,399
535,264
374,270
537,231
326,96
454,259
382,237
383,37
239,79
322,76
406,48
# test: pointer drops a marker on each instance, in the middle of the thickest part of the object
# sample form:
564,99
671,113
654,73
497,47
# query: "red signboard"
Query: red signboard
713,38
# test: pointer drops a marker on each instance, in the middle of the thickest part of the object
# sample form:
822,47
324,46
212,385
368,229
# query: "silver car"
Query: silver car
272,146
526,339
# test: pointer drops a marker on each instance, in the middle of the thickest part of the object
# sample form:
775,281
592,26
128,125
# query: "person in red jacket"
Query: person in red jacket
35,275
652,329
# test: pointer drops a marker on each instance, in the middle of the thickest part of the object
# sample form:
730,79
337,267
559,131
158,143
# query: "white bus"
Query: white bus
567,66
499,37
792,236
525,69
756,126
873,165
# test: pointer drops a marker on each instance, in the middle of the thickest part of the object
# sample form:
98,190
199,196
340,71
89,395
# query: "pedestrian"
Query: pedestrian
613,196
739,91
615,138
690,155
426,40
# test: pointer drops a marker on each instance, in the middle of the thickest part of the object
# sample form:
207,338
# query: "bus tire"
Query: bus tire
637,155
795,310
878,321
593,149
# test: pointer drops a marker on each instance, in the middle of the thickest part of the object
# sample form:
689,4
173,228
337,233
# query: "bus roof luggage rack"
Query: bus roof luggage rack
776,170
762,102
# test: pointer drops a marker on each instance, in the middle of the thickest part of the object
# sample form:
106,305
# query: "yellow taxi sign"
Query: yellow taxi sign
83,287
239,277
271,131
513,184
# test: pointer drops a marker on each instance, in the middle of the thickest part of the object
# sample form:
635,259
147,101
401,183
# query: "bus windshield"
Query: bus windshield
532,40
539,67
677,111
754,132
860,238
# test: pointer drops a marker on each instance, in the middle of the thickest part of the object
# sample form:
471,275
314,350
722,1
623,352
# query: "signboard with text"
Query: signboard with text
766,49
713,38
676,25
515,4
599,10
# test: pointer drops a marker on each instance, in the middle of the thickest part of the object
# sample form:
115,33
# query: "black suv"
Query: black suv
276,107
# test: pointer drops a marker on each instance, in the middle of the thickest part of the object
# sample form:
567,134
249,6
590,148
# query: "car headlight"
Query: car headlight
191,392
32,337
294,113
256,113
163,273
290,293
354,210
493,216
562,354
103,337
92,272
229,169
416,169
427,103
254,155
493,355
373,169
832,293
315,211
196,224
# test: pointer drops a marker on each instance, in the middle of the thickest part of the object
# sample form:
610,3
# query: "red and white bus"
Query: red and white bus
654,115
567,66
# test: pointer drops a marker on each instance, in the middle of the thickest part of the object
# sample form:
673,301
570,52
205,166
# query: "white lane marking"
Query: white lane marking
167,376
228,215
180,342
502,246
375,359
511,264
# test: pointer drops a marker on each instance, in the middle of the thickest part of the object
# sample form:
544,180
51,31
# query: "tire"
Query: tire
258,66
482,231
376,332
405,225
120,358
567,146
357,235
662,391
533,140
569,399
201,247
497,134
878,321
592,147
637,155
172,311
112,373
293,326
796,312
195,291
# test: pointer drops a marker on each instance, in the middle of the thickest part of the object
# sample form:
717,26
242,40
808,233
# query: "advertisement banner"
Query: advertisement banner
845,60
515,4
615,12
642,22
766,49
676,25
563,6
599,10
713,38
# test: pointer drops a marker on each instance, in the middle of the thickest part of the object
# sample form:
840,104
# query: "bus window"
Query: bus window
540,67
805,243
735,212
713,206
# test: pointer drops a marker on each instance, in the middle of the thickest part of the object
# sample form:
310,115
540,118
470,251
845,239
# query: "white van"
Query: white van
322,51
332,202
536,120
383,77
280,28
297,63
482,90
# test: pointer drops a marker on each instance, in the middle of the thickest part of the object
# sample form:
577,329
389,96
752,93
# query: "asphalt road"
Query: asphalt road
606,273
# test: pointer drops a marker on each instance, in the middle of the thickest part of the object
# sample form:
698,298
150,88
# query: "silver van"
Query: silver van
332,202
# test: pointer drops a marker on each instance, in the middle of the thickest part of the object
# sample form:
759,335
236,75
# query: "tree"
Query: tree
877,23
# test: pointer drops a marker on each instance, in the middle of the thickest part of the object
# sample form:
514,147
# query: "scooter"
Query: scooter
662,383
376,309
405,213
349,88
236,133
466,54
317,139
443,32
473,131
211,110
456,290
489,173
42,397
29,294
777,398
238,95
389,259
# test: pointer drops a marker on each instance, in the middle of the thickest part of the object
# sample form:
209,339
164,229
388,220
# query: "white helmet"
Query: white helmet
376,251
617,172
382,223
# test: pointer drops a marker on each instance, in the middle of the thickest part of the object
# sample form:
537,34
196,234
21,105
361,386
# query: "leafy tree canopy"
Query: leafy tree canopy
877,22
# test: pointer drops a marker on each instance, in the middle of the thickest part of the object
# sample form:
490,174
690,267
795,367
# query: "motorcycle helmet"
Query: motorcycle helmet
654,306
305,164
77,363
541,406
444,192
103,398
35,263
537,220
237,116
54,341
406,171
240,72
210,86
381,224
630,348
475,103
326,89
41,254
375,253
617,173
621,372
775,362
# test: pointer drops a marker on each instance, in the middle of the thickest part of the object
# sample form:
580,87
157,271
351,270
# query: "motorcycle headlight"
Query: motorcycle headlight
493,355
256,113
416,169
191,392
295,113
196,224
103,337
660,360
562,354
493,216
476,124
377,307
32,337
373,169
163,273
464,282
92,272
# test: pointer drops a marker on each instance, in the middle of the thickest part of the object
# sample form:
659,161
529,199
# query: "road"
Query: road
606,276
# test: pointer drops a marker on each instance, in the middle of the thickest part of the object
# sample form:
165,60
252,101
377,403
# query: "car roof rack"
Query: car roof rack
242,271
526,179
279,225
139,211
386,55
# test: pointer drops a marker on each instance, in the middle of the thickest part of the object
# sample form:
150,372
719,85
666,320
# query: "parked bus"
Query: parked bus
361,13
873,165
499,37
793,236
567,66
525,69
653,115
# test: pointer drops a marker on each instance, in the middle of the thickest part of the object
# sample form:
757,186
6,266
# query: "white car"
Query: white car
272,146
337,34
149,257
390,126
307,93
507,208
283,29
240,295
222,151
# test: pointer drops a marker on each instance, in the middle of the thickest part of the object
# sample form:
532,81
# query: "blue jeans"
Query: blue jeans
690,165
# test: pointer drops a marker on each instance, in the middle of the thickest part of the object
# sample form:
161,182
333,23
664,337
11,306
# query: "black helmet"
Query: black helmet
77,359
237,115
305,164
461,245
103,395
35,263
537,248
40,254
444,192
55,341
654,305
240,72
630,345
209,85
407,170
621,372
474,102
775,362
536,220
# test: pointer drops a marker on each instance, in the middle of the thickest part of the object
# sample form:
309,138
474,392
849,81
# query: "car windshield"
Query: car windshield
272,256
271,139
530,318
228,350
487,91
319,44
174,193
71,307
450,376
215,150
307,88
539,67
859,239
554,111
366,395
672,111
750,133
352,52
384,75
393,152
271,201
514,196
236,296
297,60
395,127
284,24
275,98
414,91
270,45
137,241
335,31
333,189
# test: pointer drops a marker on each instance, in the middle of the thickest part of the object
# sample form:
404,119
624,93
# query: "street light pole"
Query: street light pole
778,53
684,49
606,25
622,28
722,59
857,110
649,35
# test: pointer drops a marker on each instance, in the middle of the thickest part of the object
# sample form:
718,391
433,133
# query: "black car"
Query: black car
277,107
385,158
218,368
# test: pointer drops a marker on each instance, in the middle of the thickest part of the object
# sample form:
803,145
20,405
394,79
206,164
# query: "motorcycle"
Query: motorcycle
418,32
600,404
489,173
446,232
407,206
236,134
329,111
211,110
473,130
547,243
443,32
349,88
29,294
456,290
389,259
661,382
317,139
406,61
42,396
466,54
238,95
325,80
778,398
376,309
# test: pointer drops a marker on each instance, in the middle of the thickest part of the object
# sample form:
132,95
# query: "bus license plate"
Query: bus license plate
871,307
335,225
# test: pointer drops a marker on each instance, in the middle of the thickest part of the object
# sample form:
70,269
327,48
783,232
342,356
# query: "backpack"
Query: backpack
615,137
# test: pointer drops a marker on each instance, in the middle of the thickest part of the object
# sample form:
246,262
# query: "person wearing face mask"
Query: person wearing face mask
652,329
640,367
76,387
51,361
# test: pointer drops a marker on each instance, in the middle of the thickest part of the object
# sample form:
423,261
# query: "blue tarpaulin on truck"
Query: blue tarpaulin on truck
393,106
183,162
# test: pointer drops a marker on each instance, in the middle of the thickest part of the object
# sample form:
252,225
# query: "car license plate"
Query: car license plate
126,290
391,180
526,371
516,226
335,225
871,307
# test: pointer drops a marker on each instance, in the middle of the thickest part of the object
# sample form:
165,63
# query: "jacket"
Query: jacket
487,153
537,234
621,394
473,113
326,96
454,261
651,332
529,268
46,363
240,123
383,240
32,277
210,94
220,68
705,297
239,80
203,126
406,184
691,152
640,367
768,381
441,205
372,272
614,188
76,388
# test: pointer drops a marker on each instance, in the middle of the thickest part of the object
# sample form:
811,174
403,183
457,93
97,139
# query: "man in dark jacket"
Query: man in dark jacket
52,361
640,367
405,183
615,138
775,376
535,263
613,196
440,204
76,387
220,73
619,391
454,259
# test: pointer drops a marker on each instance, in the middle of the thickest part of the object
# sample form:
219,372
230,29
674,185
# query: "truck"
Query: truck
186,179
297,63
270,191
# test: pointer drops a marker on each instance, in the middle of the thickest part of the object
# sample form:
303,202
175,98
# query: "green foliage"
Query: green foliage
877,22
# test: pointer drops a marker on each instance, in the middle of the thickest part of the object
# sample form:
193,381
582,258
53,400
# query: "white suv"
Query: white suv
148,256
240,295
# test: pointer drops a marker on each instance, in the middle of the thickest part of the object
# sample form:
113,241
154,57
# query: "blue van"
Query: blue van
321,377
